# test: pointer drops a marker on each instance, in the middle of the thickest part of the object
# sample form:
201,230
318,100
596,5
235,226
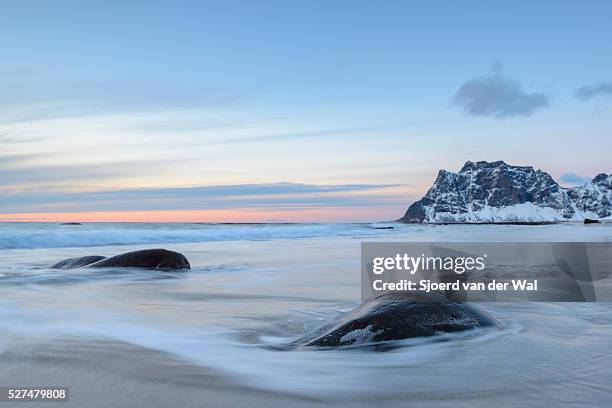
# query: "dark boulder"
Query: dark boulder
72,263
401,315
590,221
146,258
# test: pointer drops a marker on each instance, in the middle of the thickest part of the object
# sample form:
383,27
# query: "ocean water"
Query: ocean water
253,288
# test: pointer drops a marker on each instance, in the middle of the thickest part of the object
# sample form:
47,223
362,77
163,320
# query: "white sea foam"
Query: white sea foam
41,235
38,235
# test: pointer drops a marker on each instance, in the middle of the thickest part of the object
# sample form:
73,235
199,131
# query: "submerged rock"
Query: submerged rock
401,315
590,221
78,262
146,258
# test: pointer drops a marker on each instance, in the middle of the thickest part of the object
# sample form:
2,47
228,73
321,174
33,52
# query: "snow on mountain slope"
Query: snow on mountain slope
498,192
593,199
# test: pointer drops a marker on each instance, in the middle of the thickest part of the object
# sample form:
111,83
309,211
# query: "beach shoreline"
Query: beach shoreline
213,336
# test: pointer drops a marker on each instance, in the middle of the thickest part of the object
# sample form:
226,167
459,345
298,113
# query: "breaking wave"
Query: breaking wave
38,235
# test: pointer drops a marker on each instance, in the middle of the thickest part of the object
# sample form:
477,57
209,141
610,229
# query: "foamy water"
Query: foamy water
48,235
254,288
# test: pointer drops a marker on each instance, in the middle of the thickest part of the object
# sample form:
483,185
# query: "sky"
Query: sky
267,111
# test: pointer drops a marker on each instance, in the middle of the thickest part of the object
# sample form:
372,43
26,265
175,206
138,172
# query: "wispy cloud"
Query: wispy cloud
22,171
35,96
277,195
588,92
497,96
16,159
311,134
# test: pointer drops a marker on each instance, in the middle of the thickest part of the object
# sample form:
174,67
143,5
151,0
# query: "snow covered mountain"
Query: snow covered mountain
498,192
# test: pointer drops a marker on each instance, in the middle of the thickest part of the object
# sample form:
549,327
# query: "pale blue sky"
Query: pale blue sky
101,96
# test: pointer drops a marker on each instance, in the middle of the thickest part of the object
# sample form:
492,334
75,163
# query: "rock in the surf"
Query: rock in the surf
590,221
401,315
146,258
72,263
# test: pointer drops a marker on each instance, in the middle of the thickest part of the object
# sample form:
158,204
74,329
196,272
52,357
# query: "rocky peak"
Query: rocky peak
495,191
470,165
603,179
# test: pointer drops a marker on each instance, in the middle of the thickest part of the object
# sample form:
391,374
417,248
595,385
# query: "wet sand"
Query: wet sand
112,374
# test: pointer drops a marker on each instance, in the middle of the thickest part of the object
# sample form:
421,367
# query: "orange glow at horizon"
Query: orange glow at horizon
231,215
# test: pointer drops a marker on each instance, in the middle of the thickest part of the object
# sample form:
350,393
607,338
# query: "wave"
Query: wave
302,372
36,235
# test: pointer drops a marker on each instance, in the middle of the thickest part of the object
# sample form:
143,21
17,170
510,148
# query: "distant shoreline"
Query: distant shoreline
492,223
504,222
399,221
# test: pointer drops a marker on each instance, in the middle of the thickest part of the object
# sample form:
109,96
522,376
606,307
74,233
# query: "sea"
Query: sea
218,334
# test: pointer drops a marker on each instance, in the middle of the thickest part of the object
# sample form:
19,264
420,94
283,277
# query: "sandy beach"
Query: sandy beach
216,335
